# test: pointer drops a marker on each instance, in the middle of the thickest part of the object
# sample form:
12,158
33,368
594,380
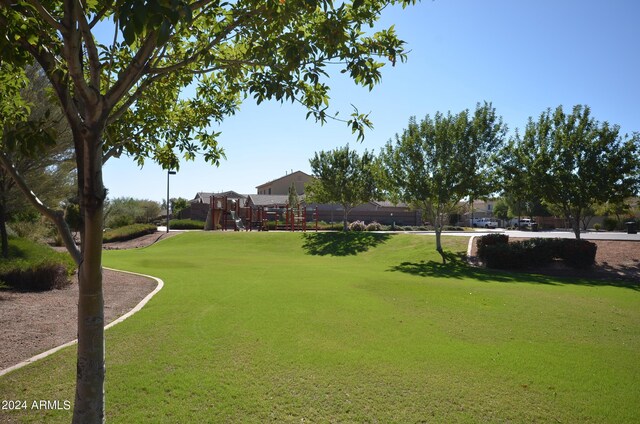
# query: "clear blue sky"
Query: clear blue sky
523,56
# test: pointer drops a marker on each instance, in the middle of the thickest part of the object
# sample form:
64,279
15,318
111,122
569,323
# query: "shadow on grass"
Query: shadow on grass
341,243
458,268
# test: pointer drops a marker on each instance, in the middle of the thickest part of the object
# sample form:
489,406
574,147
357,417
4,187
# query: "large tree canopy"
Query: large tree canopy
437,162
122,94
575,162
344,177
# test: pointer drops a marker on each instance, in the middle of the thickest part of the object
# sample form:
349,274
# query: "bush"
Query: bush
452,228
38,231
505,256
579,253
35,267
490,240
610,224
186,224
541,251
535,252
129,232
374,226
357,226
597,227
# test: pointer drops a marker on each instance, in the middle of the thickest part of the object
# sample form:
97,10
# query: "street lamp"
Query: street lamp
168,174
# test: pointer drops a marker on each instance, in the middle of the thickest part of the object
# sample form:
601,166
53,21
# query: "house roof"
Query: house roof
269,200
283,177
388,204
205,197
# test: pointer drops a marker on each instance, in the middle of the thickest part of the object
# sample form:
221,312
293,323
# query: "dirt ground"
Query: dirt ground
32,323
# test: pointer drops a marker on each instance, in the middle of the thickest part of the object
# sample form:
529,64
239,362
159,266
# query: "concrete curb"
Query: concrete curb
111,324
470,246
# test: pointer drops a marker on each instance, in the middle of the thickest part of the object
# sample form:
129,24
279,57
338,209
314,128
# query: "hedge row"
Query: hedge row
35,267
186,224
496,252
128,232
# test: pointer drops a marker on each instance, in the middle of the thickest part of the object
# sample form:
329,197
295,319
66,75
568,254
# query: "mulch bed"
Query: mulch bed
32,323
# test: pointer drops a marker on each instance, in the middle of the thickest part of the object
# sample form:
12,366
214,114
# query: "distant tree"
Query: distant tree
123,211
619,209
516,182
578,162
47,167
177,205
501,210
344,177
434,164
294,200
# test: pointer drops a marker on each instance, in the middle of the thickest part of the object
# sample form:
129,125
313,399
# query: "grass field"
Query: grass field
279,327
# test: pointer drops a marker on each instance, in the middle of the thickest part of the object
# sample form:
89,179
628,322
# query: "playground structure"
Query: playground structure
226,214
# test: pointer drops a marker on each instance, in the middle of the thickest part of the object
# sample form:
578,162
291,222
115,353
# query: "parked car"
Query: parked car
521,223
484,223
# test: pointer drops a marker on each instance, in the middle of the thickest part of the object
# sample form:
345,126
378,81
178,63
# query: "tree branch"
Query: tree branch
132,73
92,50
217,39
132,98
44,14
56,217
72,50
98,17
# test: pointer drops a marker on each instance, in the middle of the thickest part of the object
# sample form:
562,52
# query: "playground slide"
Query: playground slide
238,221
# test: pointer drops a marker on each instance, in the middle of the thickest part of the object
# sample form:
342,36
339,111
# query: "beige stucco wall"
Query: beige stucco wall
281,185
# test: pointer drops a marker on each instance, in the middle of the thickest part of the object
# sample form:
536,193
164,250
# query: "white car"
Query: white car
522,223
485,223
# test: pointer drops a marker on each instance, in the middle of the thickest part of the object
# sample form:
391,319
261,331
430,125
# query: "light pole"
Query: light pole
168,174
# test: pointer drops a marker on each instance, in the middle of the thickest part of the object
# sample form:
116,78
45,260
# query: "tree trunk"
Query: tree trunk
89,398
437,224
438,229
575,223
3,230
345,220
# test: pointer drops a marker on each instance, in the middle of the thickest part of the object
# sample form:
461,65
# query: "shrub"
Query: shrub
407,228
505,256
541,251
490,240
129,232
322,225
610,224
536,252
38,277
374,226
597,227
357,226
38,231
452,228
35,267
579,253
186,224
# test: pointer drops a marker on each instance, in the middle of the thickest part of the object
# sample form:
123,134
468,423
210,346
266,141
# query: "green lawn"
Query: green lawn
280,327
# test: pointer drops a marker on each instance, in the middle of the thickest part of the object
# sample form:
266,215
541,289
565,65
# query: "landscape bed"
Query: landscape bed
255,327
